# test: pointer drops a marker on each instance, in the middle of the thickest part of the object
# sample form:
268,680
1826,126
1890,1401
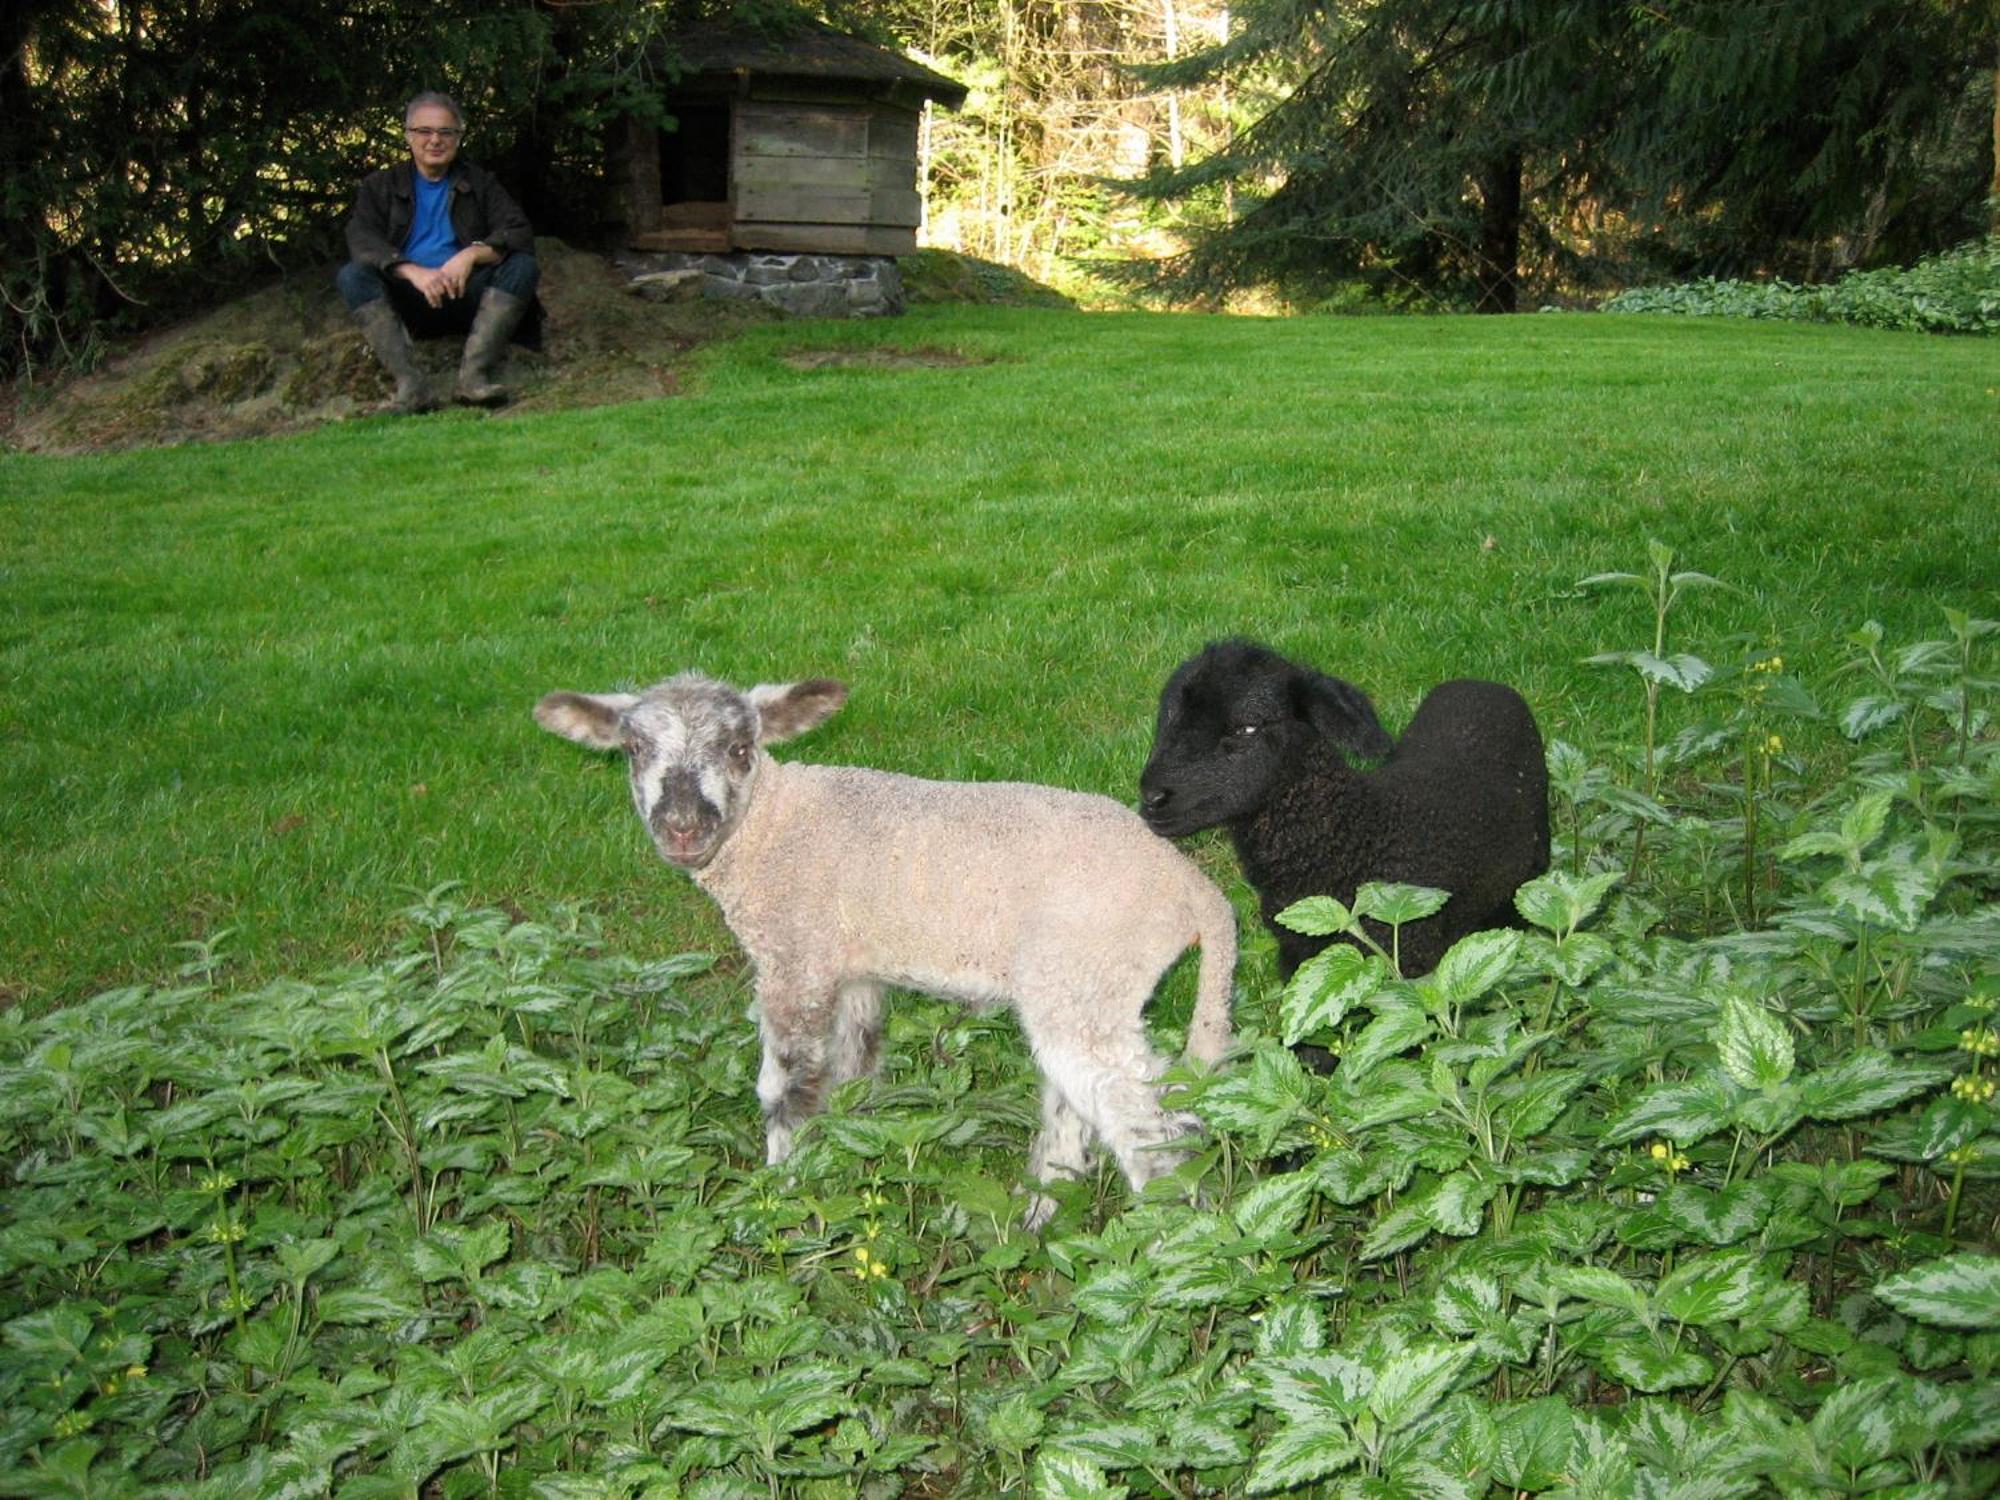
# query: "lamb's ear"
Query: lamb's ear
1341,711
788,708
588,718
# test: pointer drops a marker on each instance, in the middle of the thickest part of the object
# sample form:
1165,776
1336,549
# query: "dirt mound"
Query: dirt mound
288,357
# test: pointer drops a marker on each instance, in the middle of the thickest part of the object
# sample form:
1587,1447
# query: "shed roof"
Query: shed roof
811,50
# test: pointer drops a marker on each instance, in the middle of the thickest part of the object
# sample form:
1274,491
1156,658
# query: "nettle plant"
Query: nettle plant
1686,1187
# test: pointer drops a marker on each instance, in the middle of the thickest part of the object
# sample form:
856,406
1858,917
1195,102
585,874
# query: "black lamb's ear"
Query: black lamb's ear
1341,711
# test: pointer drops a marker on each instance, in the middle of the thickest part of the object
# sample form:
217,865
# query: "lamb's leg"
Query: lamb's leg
1108,1075
792,1077
857,1033
1061,1150
1124,1109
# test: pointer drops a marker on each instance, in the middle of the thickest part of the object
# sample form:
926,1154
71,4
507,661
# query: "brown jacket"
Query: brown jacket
481,209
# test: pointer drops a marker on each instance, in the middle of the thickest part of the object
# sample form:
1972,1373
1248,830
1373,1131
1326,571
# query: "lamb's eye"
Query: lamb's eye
1243,731
739,754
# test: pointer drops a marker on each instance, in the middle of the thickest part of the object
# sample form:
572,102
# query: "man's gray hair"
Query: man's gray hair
431,98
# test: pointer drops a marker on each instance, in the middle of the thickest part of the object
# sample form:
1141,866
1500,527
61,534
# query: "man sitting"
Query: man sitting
438,246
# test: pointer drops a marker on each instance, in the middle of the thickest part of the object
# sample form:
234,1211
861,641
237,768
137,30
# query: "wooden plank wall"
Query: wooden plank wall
815,175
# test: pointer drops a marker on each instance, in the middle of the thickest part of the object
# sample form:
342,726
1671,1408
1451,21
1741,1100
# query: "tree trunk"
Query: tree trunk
1499,234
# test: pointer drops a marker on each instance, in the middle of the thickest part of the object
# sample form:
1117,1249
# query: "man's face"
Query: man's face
433,132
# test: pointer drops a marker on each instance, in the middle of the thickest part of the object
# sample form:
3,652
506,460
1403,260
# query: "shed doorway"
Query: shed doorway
694,176
694,156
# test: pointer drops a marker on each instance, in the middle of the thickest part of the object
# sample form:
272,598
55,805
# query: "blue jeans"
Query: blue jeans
361,284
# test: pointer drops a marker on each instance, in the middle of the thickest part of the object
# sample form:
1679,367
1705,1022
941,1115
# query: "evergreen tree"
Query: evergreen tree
1422,145
1454,149
1809,136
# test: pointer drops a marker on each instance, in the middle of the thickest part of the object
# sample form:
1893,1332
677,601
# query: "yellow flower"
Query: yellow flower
867,1263
1980,1041
135,1372
1774,745
1974,1090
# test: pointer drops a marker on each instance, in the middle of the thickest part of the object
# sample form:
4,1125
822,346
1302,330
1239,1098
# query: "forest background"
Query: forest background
157,156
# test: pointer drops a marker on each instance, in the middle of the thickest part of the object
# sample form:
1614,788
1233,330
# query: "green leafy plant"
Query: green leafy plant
1663,587
1954,292
1594,1209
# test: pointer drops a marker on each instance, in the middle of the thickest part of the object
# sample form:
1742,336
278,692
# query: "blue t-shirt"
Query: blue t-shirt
431,241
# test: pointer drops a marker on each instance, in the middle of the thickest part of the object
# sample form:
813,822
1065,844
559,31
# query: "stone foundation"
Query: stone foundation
804,286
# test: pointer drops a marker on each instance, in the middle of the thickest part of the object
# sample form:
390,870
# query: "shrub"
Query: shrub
1957,292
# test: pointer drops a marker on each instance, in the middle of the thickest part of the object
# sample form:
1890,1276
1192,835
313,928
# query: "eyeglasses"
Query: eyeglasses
434,132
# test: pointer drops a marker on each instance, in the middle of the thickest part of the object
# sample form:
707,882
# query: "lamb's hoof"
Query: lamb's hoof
1041,1209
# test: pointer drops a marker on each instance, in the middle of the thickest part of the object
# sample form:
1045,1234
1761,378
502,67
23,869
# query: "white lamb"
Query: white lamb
840,882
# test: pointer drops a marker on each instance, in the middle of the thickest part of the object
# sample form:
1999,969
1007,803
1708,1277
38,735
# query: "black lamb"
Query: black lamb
1257,744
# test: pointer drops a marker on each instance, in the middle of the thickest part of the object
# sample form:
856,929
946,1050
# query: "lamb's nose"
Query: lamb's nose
1153,798
678,826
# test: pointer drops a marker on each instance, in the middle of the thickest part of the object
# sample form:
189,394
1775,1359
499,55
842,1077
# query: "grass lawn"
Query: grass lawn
1690,1188
274,687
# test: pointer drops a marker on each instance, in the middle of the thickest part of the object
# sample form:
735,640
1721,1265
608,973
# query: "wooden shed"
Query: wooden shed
805,142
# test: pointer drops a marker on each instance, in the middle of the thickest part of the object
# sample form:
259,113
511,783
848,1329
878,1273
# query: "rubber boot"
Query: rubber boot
390,340
492,326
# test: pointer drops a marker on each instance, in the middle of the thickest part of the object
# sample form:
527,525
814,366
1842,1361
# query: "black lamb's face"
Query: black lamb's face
1227,718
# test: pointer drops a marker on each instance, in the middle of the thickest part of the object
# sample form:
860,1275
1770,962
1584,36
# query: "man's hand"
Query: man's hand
430,281
457,271
440,284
